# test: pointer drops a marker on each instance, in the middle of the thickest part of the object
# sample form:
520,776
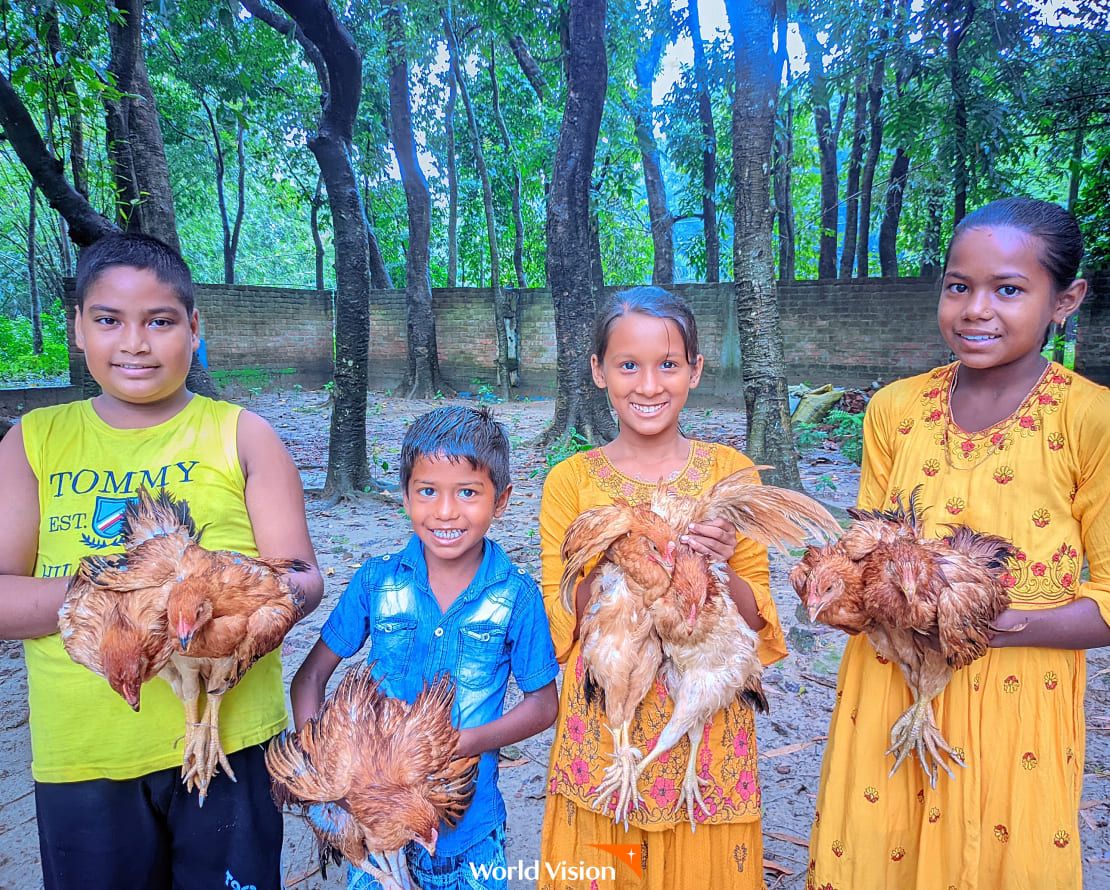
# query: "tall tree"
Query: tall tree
423,378
507,144
758,69
874,146
709,148
338,64
134,131
452,184
643,116
231,230
504,308
959,15
826,141
851,190
578,403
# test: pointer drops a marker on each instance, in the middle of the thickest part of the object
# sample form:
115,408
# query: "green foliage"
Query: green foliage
18,363
844,428
567,446
253,380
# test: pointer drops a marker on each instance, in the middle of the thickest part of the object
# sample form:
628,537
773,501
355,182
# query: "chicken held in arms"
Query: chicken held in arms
621,652
372,774
206,616
926,604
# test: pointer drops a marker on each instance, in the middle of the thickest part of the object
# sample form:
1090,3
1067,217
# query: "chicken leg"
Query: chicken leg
391,870
916,731
214,754
692,783
620,777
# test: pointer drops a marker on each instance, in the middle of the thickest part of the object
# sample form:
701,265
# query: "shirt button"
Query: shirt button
438,632
385,559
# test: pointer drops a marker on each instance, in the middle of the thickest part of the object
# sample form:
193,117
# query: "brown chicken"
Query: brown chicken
620,649
926,604
209,616
371,774
711,661
120,635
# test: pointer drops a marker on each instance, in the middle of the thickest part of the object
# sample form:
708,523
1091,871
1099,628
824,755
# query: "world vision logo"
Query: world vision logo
629,854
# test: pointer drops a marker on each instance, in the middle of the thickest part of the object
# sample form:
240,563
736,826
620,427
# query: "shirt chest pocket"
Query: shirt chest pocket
481,651
391,644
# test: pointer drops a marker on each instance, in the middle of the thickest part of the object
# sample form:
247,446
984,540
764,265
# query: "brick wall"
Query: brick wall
850,332
1092,358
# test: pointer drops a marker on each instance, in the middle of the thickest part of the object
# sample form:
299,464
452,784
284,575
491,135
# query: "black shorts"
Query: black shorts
149,832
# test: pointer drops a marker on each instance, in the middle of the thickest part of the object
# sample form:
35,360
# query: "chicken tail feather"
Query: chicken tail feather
151,517
755,697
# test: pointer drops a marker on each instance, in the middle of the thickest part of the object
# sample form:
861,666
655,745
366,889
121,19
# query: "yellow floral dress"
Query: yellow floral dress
1040,478
727,848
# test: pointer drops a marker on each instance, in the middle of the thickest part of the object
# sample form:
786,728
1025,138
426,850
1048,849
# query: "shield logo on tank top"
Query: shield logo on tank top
108,516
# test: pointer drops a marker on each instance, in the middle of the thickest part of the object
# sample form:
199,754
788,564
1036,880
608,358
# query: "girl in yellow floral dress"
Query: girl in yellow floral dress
1007,443
646,357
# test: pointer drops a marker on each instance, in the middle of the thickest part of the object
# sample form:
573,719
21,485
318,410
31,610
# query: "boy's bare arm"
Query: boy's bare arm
275,503
306,692
537,712
28,606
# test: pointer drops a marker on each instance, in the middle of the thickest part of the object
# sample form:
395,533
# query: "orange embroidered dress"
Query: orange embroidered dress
726,850
1042,479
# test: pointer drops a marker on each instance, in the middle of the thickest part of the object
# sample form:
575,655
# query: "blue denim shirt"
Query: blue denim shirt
496,625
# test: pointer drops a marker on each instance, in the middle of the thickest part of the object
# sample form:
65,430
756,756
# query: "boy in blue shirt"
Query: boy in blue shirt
450,601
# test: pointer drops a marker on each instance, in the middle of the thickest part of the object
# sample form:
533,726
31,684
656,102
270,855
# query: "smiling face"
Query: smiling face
451,505
997,298
137,337
647,373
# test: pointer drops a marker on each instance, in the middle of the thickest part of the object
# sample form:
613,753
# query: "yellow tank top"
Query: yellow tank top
86,471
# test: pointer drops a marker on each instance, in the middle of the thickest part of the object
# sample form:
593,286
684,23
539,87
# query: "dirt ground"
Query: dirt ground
800,690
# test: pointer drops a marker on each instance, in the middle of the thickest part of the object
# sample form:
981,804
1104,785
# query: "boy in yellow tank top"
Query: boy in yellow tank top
112,812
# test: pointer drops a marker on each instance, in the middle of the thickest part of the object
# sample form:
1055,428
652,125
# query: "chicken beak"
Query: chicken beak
692,617
815,609
668,559
909,585
430,846
131,696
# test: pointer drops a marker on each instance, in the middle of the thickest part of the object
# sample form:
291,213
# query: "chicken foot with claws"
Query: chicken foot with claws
916,732
620,777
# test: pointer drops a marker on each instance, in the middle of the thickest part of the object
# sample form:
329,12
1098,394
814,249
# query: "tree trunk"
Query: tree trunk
888,231
339,67
528,65
643,116
855,159
138,115
708,151
758,70
784,203
32,277
452,187
578,403
78,161
867,184
423,379
957,31
1075,164
518,217
314,224
221,194
930,250
504,315
241,205
826,143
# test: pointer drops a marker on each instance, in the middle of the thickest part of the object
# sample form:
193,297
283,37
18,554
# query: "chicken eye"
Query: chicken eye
651,544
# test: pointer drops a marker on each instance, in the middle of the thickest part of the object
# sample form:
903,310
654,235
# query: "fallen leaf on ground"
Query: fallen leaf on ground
789,838
776,867
793,749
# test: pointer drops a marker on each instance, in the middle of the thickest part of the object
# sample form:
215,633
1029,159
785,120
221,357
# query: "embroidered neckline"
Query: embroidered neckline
966,450
687,481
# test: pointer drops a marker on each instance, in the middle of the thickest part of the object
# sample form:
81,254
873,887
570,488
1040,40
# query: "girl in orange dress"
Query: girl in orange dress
646,357
1008,443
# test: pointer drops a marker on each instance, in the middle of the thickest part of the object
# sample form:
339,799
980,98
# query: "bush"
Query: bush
18,361
842,428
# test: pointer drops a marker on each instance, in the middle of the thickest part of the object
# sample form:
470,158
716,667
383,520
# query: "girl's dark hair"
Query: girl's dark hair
1055,227
647,300
456,433
139,252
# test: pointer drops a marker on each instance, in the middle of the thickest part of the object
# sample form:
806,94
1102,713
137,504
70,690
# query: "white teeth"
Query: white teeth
446,534
647,409
978,338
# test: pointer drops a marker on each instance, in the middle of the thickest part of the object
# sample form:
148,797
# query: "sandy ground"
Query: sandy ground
800,690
